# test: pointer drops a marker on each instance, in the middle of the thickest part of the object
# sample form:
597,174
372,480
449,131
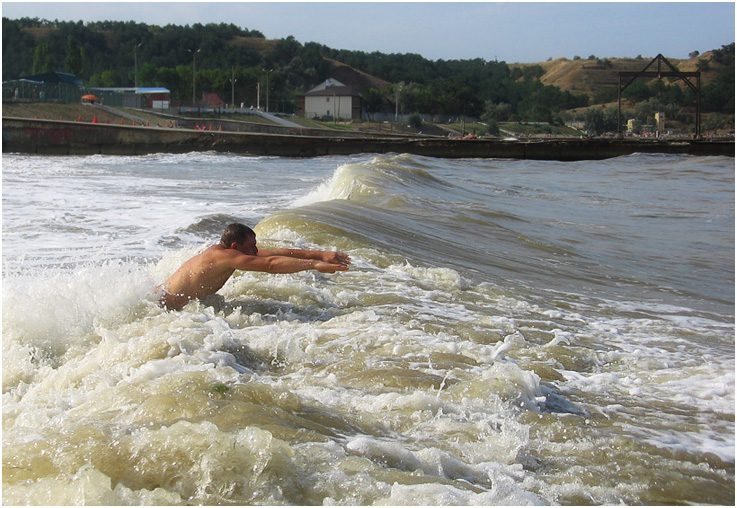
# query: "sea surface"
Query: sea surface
510,332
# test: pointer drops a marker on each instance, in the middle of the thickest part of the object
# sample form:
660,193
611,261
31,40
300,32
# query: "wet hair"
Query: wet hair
236,233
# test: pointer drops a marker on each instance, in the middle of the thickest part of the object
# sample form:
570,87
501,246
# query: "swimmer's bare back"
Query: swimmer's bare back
207,272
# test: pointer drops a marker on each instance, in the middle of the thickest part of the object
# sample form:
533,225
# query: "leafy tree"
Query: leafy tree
594,121
18,49
598,121
645,111
166,77
74,62
373,100
416,97
724,56
42,59
492,127
496,112
638,91
669,94
528,72
284,52
313,61
606,95
719,95
611,116
148,74
106,79
493,113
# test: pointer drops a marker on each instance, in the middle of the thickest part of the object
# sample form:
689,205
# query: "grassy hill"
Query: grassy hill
441,87
108,46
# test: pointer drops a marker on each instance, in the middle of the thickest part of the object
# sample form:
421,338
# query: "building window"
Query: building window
327,99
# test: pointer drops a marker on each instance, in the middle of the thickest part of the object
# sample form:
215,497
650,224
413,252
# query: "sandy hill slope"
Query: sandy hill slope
590,76
353,77
255,43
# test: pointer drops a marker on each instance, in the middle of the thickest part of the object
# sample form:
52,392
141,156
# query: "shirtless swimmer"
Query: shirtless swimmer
207,272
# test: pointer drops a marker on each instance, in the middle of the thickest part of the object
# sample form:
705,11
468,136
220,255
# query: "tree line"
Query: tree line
231,61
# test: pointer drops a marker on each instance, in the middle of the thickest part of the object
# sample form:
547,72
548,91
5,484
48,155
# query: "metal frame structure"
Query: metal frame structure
660,73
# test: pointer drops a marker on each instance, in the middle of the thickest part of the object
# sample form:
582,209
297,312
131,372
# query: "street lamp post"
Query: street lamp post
396,105
267,88
193,73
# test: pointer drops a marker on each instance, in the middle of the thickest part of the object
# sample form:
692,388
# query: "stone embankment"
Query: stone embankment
52,137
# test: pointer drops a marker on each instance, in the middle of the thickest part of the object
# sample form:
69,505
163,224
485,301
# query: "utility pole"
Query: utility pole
396,105
232,86
194,73
135,64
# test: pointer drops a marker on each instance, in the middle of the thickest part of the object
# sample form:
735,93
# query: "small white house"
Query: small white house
331,100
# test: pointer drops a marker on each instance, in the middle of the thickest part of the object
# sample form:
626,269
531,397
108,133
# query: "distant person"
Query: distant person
205,273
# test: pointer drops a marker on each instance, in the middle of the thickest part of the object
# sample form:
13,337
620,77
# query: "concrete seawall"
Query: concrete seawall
50,137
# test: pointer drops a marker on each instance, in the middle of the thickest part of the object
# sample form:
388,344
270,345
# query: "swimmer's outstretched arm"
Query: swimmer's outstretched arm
334,257
267,262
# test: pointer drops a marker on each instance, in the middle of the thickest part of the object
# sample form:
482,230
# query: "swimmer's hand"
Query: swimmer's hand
325,267
337,258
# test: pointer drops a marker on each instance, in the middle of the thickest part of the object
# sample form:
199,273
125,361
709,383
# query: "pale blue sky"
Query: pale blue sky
509,31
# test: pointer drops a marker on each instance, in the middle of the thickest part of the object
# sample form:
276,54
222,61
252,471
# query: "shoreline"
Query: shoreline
59,137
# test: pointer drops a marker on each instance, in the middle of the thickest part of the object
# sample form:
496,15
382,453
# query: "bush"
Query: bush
492,128
415,121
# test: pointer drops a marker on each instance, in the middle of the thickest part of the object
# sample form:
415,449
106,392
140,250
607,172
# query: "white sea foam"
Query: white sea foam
405,380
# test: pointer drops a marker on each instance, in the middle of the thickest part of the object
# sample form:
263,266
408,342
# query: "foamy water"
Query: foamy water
510,332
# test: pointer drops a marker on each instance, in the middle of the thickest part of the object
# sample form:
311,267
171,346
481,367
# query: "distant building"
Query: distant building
132,97
156,97
47,87
660,123
54,77
210,100
329,101
63,87
634,126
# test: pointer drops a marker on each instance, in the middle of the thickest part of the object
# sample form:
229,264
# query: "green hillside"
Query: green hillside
233,62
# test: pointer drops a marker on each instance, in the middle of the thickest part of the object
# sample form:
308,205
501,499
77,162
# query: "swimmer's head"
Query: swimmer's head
236,233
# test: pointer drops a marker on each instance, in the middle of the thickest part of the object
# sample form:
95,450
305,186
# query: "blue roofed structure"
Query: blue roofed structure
54,77
63,87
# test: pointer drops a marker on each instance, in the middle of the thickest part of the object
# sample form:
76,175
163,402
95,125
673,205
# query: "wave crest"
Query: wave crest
380,178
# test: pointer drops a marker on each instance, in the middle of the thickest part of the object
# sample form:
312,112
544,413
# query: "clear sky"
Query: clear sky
510,31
